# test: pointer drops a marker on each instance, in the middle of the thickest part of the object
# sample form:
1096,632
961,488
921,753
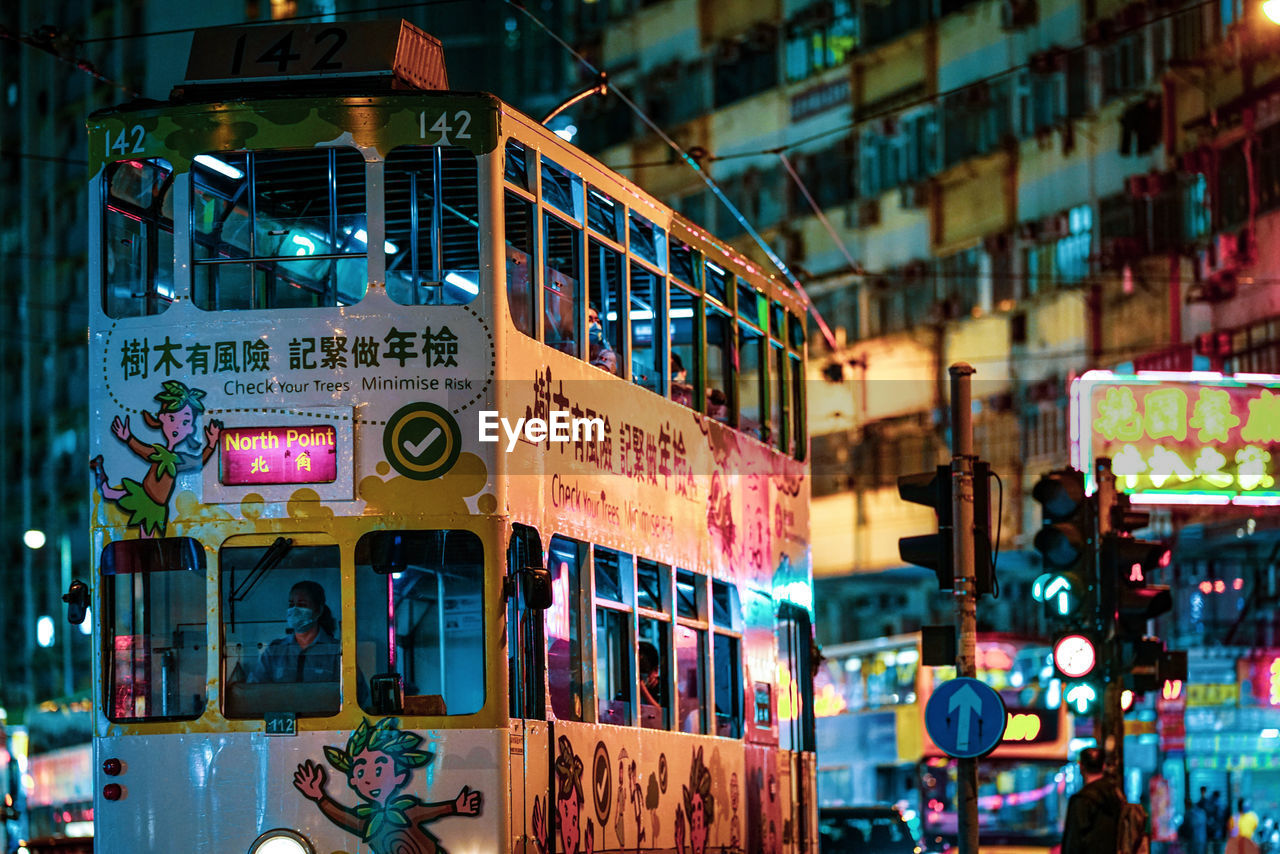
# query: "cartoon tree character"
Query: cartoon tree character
379,762
568,807
147,503
699,808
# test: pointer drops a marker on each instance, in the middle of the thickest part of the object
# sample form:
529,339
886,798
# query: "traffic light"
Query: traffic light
1125,565
932,551
1065,543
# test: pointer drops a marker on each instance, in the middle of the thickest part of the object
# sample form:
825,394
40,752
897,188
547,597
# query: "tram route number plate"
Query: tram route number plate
281,723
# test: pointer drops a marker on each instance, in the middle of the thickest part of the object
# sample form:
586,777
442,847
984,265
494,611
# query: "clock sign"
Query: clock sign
1074,656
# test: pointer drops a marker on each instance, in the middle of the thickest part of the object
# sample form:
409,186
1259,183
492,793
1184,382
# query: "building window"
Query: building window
819,37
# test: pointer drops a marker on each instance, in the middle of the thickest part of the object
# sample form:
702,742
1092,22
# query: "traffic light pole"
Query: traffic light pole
966,596
1110,726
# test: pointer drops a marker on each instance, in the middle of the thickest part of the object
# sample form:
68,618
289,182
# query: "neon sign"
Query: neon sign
270,455
1191,438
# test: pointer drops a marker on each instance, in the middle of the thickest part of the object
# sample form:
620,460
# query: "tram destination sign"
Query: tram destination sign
1186,438
253,456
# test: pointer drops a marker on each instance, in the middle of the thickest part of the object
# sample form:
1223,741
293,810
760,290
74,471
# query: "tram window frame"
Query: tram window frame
267,280
450,274
751,388
719,283
515,164
689,391
131,567
719,358
778,432
606,295
685,263
654,611
614,621
559,281
562,189
150,243
691,625
648,242
605,215
799,445
726,659
522,256
647,360
567,559
249,691
454,561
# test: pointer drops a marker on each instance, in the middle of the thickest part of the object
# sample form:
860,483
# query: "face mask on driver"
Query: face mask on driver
299,619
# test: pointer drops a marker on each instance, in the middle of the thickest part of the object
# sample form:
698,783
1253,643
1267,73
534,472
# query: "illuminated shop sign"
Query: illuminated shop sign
255,456
1187,438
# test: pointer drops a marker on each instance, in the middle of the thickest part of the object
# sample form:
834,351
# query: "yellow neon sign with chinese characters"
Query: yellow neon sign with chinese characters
1184,437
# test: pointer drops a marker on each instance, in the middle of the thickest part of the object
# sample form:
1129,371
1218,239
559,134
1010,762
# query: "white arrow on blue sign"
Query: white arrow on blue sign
965,718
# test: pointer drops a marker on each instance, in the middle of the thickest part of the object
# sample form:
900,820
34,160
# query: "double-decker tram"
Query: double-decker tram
449,489
873,747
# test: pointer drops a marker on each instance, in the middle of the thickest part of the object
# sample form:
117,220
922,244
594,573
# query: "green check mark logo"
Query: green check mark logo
417,449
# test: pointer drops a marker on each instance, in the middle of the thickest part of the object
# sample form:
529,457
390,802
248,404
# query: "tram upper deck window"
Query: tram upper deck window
562,189
561,284
425,589
719,363
433,226
686,363
648,242
646,318
515,166
154,602
137,244
684,263
719,283
281,640
518,221
278,229
604,215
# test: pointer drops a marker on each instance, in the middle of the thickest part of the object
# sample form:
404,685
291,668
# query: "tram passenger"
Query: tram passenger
310,652
681,390
650,675
600,353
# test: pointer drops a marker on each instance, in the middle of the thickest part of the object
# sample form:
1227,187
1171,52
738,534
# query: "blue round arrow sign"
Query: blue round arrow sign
965,718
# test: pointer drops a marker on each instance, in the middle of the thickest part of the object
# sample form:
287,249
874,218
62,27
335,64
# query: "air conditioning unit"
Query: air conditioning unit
868,213
1055,227
914,195
1016,14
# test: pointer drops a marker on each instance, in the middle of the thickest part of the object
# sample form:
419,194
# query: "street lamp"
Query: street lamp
35,540
1271,8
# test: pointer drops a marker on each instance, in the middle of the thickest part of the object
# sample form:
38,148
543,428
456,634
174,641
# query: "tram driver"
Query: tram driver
310,652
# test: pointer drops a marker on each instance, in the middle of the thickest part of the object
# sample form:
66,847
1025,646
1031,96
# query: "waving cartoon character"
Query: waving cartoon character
147,503
568,807
699,808
379,762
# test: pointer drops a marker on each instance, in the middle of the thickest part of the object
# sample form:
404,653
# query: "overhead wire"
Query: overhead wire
693,164
902,106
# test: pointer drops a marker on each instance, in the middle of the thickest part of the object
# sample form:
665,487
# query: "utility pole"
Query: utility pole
966,593
1110,725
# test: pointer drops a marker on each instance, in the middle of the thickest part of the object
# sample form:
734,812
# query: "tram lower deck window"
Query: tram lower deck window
281,637
425,589
155,656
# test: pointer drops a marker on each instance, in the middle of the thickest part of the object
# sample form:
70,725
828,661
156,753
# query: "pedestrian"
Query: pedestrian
1245,822
1194,831
1093,812
1216,810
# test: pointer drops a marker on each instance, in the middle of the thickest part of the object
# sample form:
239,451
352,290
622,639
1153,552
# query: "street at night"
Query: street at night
675,426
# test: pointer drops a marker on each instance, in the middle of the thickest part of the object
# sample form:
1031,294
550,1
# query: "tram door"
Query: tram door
528,736
797,732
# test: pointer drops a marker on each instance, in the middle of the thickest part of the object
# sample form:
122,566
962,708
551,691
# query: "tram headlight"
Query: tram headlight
281,841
